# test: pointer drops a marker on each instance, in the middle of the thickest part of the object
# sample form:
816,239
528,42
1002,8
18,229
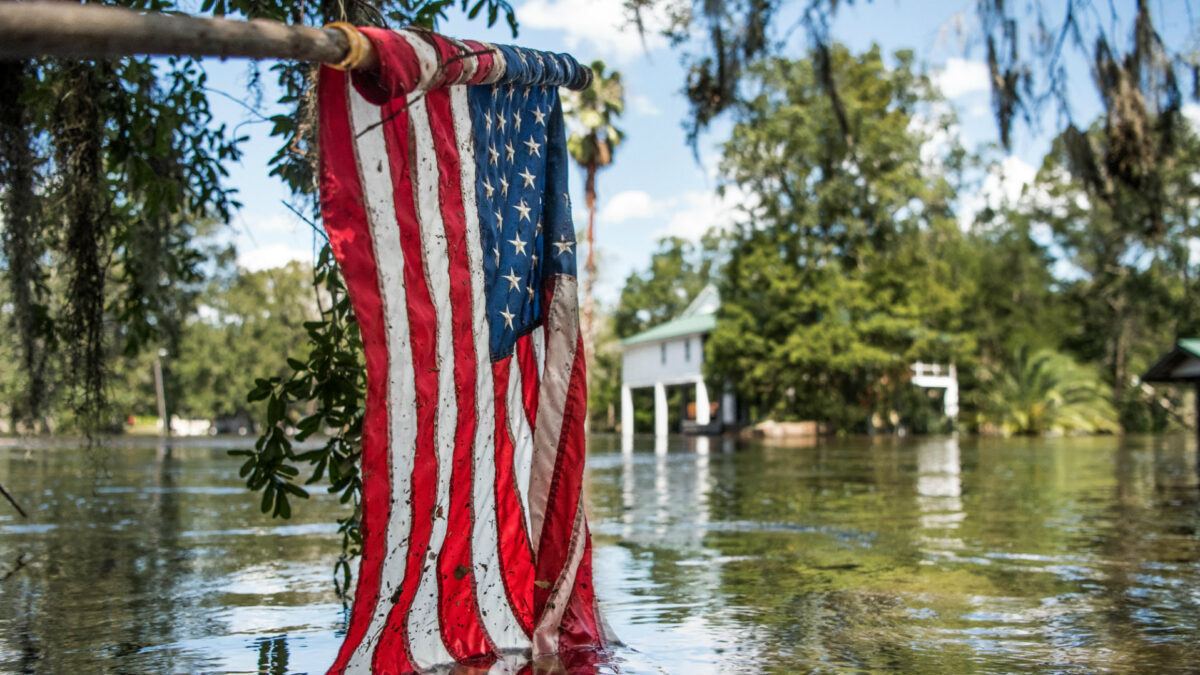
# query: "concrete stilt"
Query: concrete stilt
702,411
660,409
626,410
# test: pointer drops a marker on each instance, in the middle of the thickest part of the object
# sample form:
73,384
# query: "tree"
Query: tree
106,169
1133,277
250,325
1017,301
1045,392
1026,48
678,271
592,144
843,274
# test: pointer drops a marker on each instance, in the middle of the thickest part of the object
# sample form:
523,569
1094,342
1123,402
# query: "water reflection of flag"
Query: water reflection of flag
447,209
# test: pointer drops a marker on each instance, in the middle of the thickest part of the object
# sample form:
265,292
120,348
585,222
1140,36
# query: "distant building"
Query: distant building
1181,365
672,354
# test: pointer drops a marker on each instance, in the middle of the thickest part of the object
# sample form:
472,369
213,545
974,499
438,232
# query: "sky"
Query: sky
656,187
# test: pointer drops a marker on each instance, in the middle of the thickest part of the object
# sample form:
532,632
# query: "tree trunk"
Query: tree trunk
589,284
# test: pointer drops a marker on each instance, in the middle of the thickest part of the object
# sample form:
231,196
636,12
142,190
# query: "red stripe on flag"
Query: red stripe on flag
462,626
342,206
485,61
392,654
527,362
449,57
399,69
580,626
565,486
516,555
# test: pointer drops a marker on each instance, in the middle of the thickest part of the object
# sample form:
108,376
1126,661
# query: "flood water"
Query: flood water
928,555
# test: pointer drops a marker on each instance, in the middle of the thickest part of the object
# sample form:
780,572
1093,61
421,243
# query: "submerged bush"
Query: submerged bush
1045,392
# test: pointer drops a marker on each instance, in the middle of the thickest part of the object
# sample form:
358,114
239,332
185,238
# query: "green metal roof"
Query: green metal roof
1164,370
700,316
684,325
1192,345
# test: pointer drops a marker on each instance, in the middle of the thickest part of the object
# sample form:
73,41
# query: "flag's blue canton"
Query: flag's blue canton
521,192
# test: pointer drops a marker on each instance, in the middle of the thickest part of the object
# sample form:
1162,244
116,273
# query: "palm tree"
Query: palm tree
592,144
1047,392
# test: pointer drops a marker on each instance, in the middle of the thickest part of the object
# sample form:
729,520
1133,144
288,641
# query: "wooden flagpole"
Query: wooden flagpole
35,29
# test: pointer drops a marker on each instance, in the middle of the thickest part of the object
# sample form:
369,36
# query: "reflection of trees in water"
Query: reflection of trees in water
151,568
272,655
656,500
97,579
1149,544
927,556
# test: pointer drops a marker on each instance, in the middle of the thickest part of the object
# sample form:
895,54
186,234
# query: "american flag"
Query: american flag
444,194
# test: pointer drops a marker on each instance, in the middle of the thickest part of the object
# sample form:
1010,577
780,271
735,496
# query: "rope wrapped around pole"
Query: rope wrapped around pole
36,29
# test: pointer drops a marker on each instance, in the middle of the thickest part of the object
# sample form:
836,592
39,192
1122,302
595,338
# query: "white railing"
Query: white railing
920,369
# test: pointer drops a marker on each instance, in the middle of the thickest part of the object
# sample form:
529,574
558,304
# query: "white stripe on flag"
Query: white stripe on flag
552,397
498,65
423,621
427,60
494,607
374,168
522,436
469,64
539,349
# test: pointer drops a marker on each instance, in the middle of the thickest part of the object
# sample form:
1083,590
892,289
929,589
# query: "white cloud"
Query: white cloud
628,205
961,76
1003,186
979,110
1191,113
601,27
272,255
940,133
275,223
643,105
688,214
695,213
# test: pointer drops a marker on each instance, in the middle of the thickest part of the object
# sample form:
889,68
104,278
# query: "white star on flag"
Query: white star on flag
518,245
523,209
514,281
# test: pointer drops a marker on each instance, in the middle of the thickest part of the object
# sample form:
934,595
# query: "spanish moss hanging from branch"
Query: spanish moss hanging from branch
22,249
86,236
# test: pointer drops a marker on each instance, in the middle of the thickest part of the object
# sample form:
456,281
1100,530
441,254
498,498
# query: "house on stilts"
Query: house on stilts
672,354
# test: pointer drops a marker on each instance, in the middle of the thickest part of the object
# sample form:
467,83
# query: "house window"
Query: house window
662,353
687,350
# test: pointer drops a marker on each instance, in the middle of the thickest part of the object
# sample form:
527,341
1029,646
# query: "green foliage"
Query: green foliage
604,379
328,385
594,137
844,274
1046,392
124,163
249,325
1137,75
678,271
1017,300
1133,282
